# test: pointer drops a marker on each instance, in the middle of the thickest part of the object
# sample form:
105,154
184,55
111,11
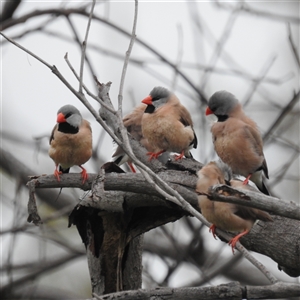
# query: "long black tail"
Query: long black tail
263,189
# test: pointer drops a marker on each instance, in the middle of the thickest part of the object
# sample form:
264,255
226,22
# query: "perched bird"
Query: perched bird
167,125
70,141
226,216
132,122
237,139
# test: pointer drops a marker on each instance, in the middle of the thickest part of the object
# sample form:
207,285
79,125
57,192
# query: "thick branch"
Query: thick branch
263,238
232,290
225,193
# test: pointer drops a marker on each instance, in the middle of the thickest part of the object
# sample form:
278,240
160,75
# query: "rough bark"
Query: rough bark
274,239
232,290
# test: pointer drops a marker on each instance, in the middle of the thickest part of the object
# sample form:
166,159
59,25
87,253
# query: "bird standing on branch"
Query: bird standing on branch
237,139
70,141
167,125
226,216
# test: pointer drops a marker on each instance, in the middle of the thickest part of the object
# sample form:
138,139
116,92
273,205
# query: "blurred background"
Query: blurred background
248,48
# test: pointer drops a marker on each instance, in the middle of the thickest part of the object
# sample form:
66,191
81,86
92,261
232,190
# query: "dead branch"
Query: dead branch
263,238
232,290
225,193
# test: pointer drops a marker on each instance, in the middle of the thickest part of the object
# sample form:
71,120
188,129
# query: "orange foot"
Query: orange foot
57,173
155,154
131,167
234,240
247,179
84,174
212,229
180,156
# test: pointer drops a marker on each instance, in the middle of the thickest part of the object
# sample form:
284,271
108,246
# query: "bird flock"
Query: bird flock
163,125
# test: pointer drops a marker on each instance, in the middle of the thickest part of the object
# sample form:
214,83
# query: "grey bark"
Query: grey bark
232,290
279,239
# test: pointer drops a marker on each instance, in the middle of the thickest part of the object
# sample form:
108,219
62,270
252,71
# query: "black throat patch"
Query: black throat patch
149,109
222,118
67,128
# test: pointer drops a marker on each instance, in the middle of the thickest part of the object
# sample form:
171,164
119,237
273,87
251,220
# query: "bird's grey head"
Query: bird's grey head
71,114
222,103
225,169
160,96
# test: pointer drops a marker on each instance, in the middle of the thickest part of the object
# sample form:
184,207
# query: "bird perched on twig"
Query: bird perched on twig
70,141
167,125
132,122
226,216
237,139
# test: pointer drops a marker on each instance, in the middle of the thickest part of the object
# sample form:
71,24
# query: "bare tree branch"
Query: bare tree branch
231,290
67,12
225,193
268,15
84,44
287,109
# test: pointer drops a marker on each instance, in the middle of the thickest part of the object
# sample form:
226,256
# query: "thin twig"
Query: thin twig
110,109
123,130
76,36
259,80
220,45
294,48
281,116
70,11
84,46
26,50
265,14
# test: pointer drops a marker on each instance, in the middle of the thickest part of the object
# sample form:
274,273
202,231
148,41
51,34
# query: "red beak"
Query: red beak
147,100
208,111
61,118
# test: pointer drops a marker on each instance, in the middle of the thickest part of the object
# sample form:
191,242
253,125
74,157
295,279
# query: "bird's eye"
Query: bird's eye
67,115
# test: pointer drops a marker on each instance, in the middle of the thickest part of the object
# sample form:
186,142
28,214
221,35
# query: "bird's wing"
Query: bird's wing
250,213
186,119
52,134
255,139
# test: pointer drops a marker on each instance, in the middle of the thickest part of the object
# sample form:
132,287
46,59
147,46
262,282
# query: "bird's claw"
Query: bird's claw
245,182
84,175
154,154
56,174
180,156
212,229
232,243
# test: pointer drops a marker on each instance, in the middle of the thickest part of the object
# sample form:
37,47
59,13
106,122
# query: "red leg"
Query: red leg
180,156
247,179
212,229
155,154
57,173
84,174
131,167
234,240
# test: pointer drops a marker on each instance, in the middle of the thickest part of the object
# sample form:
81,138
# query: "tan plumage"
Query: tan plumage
167,124
132,122
237,139
226,216
70,141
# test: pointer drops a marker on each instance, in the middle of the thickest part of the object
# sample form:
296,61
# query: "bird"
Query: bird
237,139
167,124
70,141
132,122
226,216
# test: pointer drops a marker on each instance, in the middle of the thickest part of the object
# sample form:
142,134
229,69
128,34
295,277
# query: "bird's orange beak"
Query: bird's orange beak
61,118
147,100
208,111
